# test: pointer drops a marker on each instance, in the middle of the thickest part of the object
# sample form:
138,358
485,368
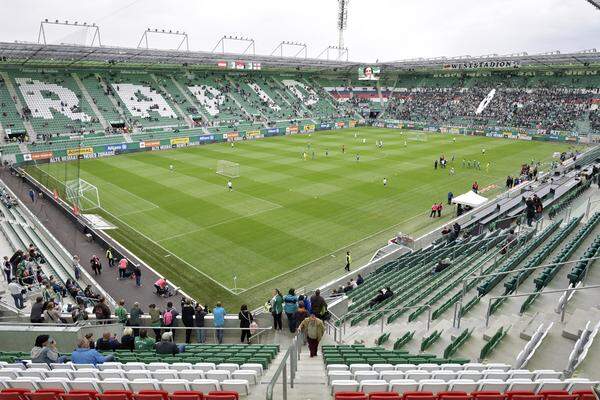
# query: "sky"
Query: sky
383,30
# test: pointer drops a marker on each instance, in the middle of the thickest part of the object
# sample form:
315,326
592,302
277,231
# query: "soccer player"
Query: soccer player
343,149
233,145
453,140
487,167
405,144
304,155
384,182
364,140
171,168
483,151
230,185
357,157
452,171
326,152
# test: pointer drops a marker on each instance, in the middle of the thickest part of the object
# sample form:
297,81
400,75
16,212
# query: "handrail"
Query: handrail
428,306
562,318
292,354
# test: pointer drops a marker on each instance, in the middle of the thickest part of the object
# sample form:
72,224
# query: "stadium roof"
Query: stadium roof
24,53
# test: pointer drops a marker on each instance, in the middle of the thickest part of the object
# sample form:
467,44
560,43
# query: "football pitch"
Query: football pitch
288,220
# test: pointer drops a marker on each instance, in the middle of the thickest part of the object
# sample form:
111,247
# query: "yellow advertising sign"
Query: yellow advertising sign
180,140
80,151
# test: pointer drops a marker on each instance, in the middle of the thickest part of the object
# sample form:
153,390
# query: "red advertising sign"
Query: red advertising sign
42,155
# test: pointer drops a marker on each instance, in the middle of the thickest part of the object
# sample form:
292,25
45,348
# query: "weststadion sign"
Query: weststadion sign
484,64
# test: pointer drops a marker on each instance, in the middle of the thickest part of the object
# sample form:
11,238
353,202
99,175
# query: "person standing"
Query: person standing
439,209
7,268
135,314
435,163
122,268
155,321
187,317
16,291
277,309
348,261
450,197
313,329
290,305
110,257
246,319
199,315
219,314
96,266
76,267
37,309
137,274
169,316
121,312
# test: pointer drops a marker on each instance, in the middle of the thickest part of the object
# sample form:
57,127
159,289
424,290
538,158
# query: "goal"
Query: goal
228,168
83,194
417,136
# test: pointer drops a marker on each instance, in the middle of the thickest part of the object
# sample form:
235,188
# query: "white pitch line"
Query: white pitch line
136,211
203,228
170,252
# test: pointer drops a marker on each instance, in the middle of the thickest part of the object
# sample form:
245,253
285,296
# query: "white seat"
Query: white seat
452,367
110,373
259,368
383,367
204,366
137,374
417,375
54,383
547,374
91,373
56,366
473,367
238,385
391,375
114,384
191,374
462,385
446,376
360,376
27,383
520,374
359,367
247,374
84,384
497,385
429,367
373,385
335,367
171,385
474,375
143,384
500,366
59,373
205,385
433,385
228,367
338,376
34,372
522,384
110,365
162,374
404,385
10,373
77,367
579,384
38,365
181,366
218,374
495,374
132,366
344,386
155,366
546,384
17,365
405,367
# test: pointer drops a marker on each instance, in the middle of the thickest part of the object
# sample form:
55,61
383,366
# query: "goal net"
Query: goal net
83,194
228,168
417,136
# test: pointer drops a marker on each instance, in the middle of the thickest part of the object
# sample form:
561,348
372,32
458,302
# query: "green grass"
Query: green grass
288,222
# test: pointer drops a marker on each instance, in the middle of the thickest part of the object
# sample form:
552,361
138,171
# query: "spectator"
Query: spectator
167,346
529,210
107,342
155,320
96,265
135,314
7,268
44,351
301,314
90,338
122,268
289,307
84,355
137,274
169,316
450,197
37,309
143,342
187,317
199,314
17,291
246,319
161,287
359,279
442,265
127,340
121,312
76,267
101,310
277,309
313,329
79,313
52,315
219,314
307,303
319,306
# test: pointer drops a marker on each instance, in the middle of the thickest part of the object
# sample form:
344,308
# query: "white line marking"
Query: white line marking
170,252
203,228
137,211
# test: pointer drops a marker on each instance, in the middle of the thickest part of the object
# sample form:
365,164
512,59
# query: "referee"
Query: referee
348,261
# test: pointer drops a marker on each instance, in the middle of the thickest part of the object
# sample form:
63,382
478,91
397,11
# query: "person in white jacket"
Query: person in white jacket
16,291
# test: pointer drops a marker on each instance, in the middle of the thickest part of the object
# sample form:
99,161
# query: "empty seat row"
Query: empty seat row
154,366
58,394
521,395
436,386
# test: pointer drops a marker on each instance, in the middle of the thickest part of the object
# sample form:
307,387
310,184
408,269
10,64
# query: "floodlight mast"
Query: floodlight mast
42,32
595,3
229,38
342,24
302,49
342,52
153,32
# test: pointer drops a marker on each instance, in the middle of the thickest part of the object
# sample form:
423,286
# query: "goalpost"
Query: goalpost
228,168
417,136
83,194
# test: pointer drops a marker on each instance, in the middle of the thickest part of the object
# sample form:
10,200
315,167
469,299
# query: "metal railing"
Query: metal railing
563,311
259,331
292,355
385,310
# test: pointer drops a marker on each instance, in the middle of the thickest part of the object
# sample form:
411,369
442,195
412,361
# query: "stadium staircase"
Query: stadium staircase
90,101
174,101
17,101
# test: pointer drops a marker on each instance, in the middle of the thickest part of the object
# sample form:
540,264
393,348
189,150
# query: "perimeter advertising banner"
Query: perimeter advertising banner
340,124
309,128
292,129
81,151
116,147
352,123
324,126
150,144
179,141
253,134
273,131
42,155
